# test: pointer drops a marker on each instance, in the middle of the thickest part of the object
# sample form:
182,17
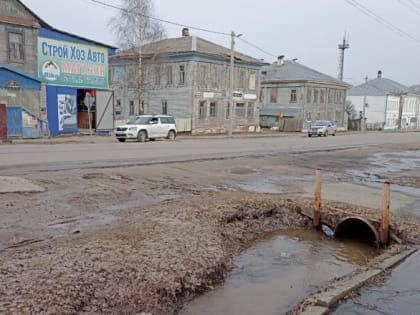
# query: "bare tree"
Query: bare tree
134,24
134,27
350,110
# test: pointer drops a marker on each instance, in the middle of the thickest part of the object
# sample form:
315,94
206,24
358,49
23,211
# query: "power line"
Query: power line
409,7
160,20
98,2
380,19
256,47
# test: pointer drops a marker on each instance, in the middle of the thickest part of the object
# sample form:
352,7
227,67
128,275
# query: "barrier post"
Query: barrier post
317,204
385,214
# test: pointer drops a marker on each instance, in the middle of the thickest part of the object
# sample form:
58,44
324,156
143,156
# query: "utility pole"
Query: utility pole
364,108
342,47
232,64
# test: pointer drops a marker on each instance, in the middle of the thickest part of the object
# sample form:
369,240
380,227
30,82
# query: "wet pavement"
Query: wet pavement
400,294
273,275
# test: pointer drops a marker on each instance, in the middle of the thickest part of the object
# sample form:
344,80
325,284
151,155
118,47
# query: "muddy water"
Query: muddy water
273,275
400,294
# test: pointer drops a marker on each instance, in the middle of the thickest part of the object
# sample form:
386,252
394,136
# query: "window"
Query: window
250,111
133,81
241,83
203,76
227,110
293,96
181,75
164,107
322,96
240,110
215,77
273,95
318,116
202,110
157,75
252,81
131,108
16,47
169,75
316,92
308,116
336,96
330,96
118,107
213,109
308,95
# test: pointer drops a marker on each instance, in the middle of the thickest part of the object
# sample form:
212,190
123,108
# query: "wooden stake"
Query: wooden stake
317,205
385,214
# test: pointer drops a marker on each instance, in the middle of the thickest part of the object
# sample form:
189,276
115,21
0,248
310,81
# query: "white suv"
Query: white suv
146,127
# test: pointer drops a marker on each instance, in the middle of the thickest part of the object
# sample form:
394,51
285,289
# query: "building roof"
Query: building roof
48,26
276,110
8,68
187,44
378,87
415,89
290,71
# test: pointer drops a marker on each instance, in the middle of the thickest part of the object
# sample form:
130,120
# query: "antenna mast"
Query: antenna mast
342,47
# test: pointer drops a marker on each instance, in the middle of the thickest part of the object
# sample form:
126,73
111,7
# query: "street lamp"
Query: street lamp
232,64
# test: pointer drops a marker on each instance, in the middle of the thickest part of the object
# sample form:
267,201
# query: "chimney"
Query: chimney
379,74
185,32
280,60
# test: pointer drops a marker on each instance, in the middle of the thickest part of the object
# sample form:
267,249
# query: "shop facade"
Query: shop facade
70,69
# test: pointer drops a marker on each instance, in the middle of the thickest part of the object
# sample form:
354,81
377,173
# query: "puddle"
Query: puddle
385,166
272,276
400,294
267,185
242,171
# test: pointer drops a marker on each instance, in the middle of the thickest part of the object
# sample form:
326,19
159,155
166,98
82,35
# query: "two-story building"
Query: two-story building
298,95
187,77
386,104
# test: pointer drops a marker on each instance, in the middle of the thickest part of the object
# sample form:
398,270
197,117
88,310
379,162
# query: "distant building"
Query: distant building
389,105
295,95
187,77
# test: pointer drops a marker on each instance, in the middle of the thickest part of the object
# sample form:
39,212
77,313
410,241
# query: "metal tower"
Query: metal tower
342,47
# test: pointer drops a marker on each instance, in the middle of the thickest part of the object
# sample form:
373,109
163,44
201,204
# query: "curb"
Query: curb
329,298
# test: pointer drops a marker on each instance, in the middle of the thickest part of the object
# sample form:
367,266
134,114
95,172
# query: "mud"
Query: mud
149,238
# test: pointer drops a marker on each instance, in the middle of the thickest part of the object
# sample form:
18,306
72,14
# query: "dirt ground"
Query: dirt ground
149,238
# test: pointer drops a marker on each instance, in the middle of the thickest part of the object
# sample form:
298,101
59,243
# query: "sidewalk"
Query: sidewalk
82,138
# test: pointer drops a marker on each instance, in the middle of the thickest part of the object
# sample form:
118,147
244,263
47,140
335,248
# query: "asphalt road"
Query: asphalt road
15,159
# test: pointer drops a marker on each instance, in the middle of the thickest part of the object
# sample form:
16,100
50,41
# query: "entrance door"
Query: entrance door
104,110
3,123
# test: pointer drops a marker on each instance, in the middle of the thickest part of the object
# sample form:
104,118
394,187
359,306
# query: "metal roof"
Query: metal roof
276,110
378,87
21,73
294,71
187,44
415,89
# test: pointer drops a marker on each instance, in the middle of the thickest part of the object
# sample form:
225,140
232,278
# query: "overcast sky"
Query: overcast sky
309,30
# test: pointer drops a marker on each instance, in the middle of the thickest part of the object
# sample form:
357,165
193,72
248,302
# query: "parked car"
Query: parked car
145,127
322,128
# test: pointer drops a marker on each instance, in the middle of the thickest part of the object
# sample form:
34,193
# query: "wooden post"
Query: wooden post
317,205
385,214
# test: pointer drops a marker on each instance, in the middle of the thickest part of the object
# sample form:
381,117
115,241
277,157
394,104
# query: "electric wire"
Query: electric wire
409,7
380,19
184,25
160,20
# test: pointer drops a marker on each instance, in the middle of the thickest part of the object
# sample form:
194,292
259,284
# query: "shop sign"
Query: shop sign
70,64
208,95
12,85
250,96
237,96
